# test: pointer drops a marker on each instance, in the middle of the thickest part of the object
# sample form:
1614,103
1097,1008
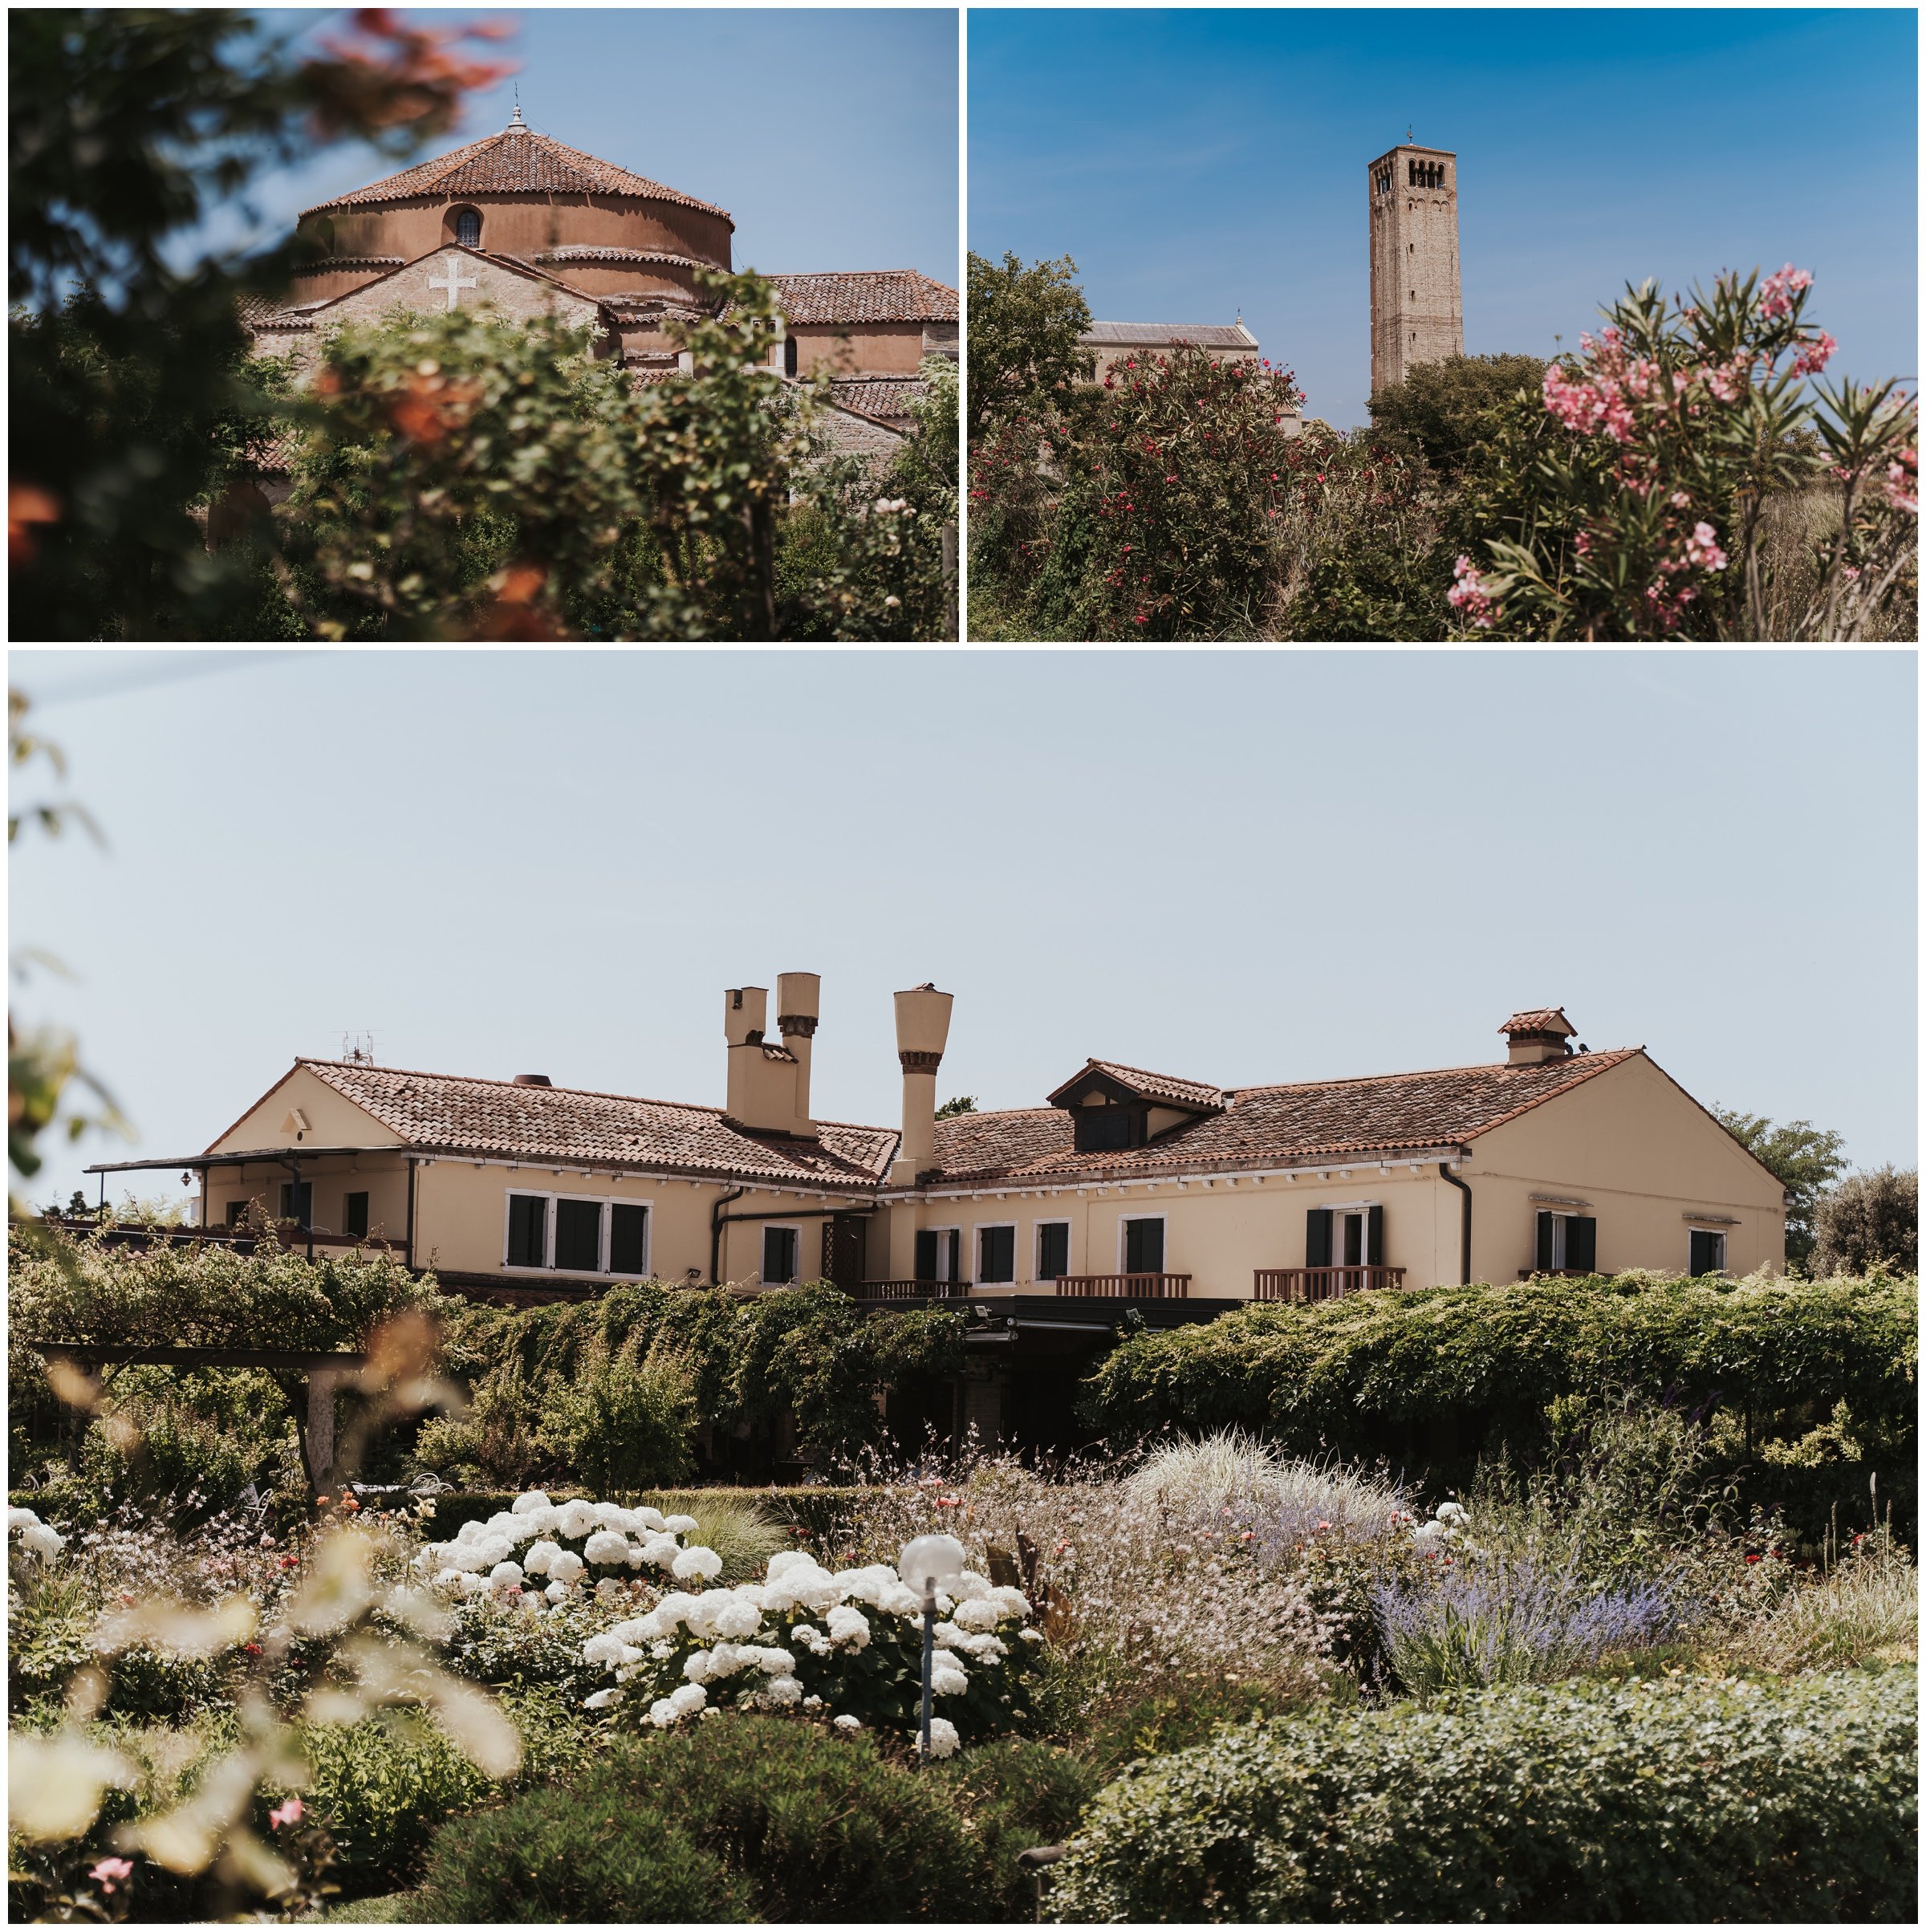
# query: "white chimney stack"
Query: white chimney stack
922,1032
798,1005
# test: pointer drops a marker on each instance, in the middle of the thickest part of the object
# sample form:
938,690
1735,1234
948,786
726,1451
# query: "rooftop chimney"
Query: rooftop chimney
798,1005
922,1032
532,1080
763,1080
1537,1036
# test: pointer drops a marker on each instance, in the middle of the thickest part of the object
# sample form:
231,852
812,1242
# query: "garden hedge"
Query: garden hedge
1431,1376
1681,1798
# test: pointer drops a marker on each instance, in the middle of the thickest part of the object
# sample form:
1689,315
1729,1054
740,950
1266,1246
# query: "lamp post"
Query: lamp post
937,1563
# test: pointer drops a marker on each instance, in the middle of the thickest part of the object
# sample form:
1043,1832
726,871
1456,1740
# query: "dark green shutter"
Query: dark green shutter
527,1231
1053,1249
1317,1238
1582,1243
627,1234
1374,1237
1545,1232
926,1254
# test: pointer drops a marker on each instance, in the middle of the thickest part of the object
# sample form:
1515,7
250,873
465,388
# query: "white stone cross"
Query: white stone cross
453,283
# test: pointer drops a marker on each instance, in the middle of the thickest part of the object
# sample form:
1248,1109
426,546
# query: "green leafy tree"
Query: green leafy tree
1635,503
1807,1160
963,1103
1868,1221
127,366
1445,411
1024,329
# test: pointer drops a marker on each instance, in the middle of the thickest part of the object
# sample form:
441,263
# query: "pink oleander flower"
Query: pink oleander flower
1468,596
1702,548
1776,292
1814,356
110,1873
289,1813
1903,482
1681,500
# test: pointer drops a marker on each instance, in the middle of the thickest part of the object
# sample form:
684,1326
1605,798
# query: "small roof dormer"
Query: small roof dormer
1538,1035
1114,1106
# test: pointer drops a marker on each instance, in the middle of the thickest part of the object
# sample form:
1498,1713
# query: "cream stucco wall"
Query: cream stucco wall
1644,1155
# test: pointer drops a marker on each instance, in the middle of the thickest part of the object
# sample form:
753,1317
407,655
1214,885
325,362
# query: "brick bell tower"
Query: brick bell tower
1417,313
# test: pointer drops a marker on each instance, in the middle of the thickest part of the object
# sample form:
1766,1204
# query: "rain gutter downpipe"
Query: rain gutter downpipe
1444,1174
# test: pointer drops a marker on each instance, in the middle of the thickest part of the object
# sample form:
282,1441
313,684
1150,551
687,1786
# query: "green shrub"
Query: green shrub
558,1856
1678,1799
1438,1375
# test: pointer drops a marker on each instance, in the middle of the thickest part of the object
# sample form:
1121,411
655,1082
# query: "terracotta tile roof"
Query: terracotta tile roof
1161,1086
518,161
890,399
1268,1126
1154,335
886,295
582,251
1541,1019
564,1124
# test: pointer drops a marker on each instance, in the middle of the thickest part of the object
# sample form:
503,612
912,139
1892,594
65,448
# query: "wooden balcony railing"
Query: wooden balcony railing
1135,1287
908,1290
1321,1284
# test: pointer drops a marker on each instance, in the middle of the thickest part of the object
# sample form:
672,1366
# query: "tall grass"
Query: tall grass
1236,1474
735,1526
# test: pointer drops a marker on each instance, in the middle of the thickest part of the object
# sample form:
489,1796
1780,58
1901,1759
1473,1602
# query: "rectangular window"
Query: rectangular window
298,1208
779,1255
1143,1246
237,1213
1568,1244
926,1253
1708,1252
578,1236
627,1238
996,1253
1053,1249
354,1218
527,1231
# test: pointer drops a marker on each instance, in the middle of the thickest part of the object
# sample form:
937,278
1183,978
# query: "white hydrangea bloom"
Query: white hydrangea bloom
943,1739
969,1584
661,1551
812,1702
982,1646
632,1630
811,1639
901,1601
786,1560
529,1500
694,1561
538,1555
979,1613
607,1546
503,1574
648,1518
1014,1602
662,1653
846,1722
504,1523
738,1617
695,1666
680,1525
557,1593
947,1632
944,1660
602,1700
662,1713
814,1588
602,1650
784,1693
701,1615
576,1520
948,1683
1452,1513
449,1578
565,1566
612,1516
847,1625
777,1663
1030,1635
493,1549
689,1699
872,1585
471,1584
673,1608
726,1660
465,1559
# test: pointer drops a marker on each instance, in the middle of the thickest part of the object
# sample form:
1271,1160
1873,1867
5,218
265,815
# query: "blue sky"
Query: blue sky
829,133
1195,163
1237,867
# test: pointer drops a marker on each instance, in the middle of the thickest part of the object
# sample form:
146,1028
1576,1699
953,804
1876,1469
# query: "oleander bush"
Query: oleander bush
1671,1799
1434,1377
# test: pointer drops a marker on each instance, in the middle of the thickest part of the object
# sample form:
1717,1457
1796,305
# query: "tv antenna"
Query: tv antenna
358,1048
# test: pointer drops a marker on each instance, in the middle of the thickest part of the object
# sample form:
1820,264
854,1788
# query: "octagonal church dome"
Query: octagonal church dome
518,193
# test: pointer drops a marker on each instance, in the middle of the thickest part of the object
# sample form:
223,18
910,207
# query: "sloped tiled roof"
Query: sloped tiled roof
1152,335
1541,1019
1268,1126
518,161
619,258
1155,1086
890,399
885,294
564,1124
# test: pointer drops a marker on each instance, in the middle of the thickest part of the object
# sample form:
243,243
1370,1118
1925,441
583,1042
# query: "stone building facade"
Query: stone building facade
1417,312
522,224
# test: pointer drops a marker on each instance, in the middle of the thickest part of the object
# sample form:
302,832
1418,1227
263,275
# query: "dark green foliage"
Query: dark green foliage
1807,1160
574,1858
1869,1221
1024,329
1432,1377
1444,411
1678,1799
804,1823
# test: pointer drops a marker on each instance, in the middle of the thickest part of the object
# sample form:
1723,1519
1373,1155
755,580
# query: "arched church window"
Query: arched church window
468,227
